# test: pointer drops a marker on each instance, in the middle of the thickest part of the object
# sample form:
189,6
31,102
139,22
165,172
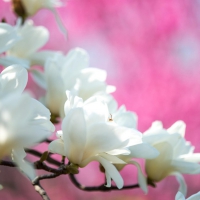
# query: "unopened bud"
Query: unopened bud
19,9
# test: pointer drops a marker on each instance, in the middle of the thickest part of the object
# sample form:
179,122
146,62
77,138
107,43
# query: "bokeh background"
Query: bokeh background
151,51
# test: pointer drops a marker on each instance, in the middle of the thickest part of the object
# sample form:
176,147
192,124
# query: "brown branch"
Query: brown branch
7,163
38,154
98,188
39,188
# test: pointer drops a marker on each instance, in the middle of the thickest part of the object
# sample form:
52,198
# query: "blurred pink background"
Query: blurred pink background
151,51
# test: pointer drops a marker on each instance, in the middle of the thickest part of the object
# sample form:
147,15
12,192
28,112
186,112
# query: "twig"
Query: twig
38,154
39,188
7,163
98,188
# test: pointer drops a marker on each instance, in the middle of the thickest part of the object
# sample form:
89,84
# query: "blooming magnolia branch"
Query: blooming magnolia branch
77,96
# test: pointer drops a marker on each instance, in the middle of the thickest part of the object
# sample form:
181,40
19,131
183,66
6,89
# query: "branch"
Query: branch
7,163
38,154
98,188
39,188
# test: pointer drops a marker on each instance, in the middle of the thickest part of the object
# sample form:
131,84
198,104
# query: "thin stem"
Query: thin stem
98,188
39,188
38,154
7,163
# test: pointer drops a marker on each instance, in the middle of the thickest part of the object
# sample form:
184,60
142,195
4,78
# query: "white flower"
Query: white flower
23,121
25,50
8,37
176,154
87,135
71,72
32,6
180,196
129,119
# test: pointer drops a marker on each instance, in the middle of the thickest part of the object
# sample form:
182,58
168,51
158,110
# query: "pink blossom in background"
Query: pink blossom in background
150,50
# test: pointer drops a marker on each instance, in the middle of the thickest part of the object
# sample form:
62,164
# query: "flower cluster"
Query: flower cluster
93,127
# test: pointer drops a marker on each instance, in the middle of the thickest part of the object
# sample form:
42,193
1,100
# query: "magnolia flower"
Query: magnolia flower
87,135
27,8
180,196
129,119
8,37
32,6
71,72
23,121
176,154
24,51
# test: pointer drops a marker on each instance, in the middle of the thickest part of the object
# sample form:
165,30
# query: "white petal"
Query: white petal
59,22
159,167
76,60
180,179
74,134
32,38
39,78
123,151
55,96
57,146
143,150
39,58
8,37
108,179
18,156
111,171
104,137
9,60
191,157
127,119
141,177
95,111
178,127
185,167
112,158
72,101
195,196
179,196
13,79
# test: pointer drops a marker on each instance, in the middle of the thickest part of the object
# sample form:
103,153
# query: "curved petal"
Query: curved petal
39,58
127,119
55,96
8,37
18,156
95,111
32,38
39,78
76,60
112,158
108,179
123,151
57,146
72,102
185,167
195,157
159,167
111,171
178,127
59,22
143,150
195,196
9,60
13,79
180,179
74,134
179,196
141,177
103,137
